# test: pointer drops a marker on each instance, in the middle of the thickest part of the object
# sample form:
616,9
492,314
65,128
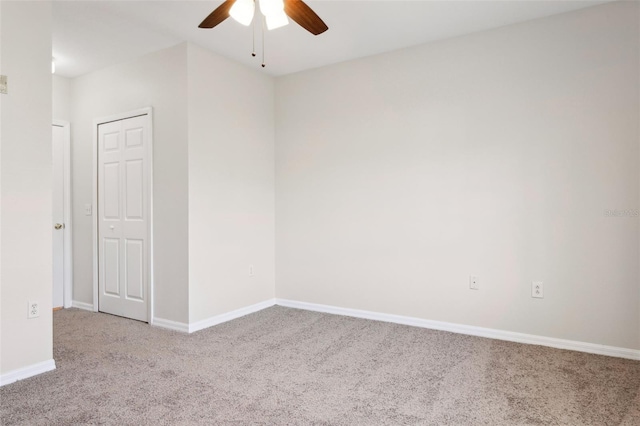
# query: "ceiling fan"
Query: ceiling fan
274,11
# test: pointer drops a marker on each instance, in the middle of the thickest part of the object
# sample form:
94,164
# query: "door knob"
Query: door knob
59,225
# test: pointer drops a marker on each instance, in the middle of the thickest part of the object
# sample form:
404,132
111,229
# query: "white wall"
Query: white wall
213,177
158,80
231,185
61,98
494,154
25,168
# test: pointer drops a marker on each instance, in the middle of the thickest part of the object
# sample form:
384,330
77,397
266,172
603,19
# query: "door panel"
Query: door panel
111,141
111,193
134,137
123,221
134,188
135,268
111,266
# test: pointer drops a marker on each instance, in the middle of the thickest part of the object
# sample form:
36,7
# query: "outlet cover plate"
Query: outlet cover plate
33,309
537,289
474,282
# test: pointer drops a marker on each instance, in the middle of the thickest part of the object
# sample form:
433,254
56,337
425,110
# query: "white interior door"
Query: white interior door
123,217
62,263
59,225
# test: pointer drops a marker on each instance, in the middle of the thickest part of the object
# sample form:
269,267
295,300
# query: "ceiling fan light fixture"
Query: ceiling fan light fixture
242,11
276,20
271,7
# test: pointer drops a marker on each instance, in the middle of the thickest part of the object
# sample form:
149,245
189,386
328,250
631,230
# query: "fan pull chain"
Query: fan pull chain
253,47
263,62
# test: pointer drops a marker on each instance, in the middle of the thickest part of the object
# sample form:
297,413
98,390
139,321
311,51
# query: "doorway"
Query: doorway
123,227
61,197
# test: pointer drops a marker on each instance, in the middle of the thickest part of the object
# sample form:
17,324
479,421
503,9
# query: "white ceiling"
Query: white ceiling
89,35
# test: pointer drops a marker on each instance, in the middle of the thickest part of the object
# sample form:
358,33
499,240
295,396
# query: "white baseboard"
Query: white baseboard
210,322
468,329
82,305
171,325
219,319
26,372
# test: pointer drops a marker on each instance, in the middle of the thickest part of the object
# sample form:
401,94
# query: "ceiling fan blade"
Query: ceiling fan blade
304,16
218,15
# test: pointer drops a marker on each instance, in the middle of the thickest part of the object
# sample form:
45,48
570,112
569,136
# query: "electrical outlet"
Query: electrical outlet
250,270
474,282
34,309
537,289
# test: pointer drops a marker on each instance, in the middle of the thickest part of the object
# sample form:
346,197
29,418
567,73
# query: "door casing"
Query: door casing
148,111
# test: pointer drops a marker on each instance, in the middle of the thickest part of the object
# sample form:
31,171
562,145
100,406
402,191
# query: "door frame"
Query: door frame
67,286
148,111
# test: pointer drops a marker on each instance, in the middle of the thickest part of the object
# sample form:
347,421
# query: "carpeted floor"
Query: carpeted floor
287,366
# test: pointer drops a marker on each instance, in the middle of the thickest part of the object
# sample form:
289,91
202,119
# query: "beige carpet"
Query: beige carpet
286,366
